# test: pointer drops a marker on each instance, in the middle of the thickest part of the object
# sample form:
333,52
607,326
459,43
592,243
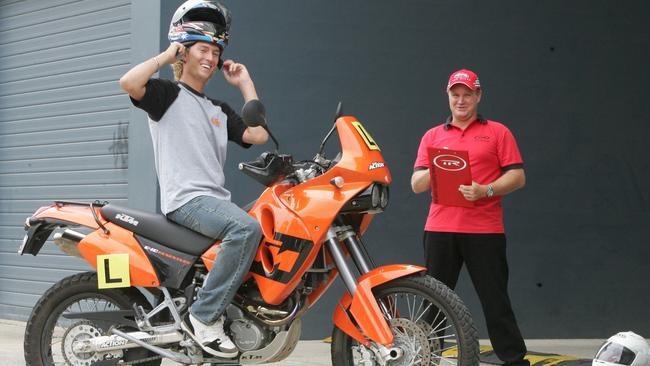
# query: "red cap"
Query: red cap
465,77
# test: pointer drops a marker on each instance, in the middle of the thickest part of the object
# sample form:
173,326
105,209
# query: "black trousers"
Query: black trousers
485,258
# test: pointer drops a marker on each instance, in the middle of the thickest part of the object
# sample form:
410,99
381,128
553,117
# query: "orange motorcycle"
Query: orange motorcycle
132,309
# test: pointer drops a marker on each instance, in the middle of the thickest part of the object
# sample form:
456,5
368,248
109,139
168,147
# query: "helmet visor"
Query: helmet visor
616,353
205,28
200,31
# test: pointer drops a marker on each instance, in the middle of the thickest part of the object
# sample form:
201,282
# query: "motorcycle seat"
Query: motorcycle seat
158,228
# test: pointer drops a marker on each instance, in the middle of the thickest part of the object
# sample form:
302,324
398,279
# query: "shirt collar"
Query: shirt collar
479,118
198,93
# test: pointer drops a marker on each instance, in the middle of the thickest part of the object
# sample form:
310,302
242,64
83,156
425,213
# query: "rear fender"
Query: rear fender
41,224
359,315
38,230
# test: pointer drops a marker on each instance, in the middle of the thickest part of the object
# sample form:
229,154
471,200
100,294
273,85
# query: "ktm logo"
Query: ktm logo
126,218
215,121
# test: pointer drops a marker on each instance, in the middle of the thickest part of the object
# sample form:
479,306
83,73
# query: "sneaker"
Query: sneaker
207,334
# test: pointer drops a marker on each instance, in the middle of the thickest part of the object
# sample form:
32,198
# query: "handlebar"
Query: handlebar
268,168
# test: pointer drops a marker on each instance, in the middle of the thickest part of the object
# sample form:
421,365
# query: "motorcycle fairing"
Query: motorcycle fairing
171,265
303,213
362,309
120,241
151,263
286,251
117,241
318,201
291,253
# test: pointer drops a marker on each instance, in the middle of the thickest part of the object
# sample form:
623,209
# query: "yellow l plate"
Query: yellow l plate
372,145
113,271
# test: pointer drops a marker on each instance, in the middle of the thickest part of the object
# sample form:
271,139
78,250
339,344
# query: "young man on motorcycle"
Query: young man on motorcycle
190,132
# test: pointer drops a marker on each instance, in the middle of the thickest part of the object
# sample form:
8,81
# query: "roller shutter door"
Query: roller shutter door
63,126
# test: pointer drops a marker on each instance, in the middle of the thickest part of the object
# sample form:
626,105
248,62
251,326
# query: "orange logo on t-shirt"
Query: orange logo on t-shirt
215,121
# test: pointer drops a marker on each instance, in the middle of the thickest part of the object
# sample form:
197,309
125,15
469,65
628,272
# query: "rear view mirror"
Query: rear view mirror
254,113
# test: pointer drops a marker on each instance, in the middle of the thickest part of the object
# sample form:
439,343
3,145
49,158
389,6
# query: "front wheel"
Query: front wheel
430,325
52,328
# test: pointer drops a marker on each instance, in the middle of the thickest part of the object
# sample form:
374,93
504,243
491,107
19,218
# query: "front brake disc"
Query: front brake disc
413,341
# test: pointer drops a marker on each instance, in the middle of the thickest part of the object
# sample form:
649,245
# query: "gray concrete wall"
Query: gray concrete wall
568,78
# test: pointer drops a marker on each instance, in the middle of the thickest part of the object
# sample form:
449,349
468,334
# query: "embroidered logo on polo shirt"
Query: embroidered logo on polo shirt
215,121
482,138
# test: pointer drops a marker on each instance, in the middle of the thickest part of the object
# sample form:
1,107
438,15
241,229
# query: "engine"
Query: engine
247,334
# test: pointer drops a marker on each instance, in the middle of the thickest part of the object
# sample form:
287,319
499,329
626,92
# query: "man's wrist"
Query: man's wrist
157,61
489,192
246,85
247,89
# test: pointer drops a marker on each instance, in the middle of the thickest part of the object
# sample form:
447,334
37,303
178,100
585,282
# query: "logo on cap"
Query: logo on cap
465,77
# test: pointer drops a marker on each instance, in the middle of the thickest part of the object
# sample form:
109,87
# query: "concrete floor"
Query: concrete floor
313,353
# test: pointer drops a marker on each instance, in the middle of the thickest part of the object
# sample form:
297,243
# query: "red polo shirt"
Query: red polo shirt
492,150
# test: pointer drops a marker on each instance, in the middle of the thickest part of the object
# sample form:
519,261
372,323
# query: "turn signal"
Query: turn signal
337,182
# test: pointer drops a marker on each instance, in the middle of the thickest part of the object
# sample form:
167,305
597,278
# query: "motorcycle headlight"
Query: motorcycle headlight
373,199
384,197
375,195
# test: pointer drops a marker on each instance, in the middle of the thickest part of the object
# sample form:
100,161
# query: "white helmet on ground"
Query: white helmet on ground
624,348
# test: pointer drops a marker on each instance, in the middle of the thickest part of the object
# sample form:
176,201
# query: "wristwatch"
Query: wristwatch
490,191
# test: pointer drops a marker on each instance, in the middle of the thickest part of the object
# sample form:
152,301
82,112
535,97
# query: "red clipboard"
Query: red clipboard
449,169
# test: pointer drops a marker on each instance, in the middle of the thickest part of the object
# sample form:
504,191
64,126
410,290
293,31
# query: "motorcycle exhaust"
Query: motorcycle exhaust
67,242
270,316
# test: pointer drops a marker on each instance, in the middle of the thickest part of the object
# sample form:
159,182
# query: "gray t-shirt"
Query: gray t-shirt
190,133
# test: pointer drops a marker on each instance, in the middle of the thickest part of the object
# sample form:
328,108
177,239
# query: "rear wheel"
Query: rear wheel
49,335
430,325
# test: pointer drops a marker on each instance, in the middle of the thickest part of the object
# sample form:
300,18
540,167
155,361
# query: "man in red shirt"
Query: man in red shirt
475,235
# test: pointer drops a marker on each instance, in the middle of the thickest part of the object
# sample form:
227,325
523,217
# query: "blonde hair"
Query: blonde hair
177,66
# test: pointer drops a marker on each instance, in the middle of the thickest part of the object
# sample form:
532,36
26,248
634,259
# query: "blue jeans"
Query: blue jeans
240,234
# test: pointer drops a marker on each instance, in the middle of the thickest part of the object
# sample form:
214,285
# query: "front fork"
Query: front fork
358,305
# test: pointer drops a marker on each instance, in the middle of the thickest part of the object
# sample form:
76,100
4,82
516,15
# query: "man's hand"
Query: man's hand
474,192
235,74
169,56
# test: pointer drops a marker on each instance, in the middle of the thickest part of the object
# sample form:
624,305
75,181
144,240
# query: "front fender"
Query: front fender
364,309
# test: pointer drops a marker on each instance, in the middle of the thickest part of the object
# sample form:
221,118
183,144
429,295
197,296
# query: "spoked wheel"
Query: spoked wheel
52,334
430,325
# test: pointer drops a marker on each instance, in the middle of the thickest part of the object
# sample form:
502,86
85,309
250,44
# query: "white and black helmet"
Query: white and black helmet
623,349
200,20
